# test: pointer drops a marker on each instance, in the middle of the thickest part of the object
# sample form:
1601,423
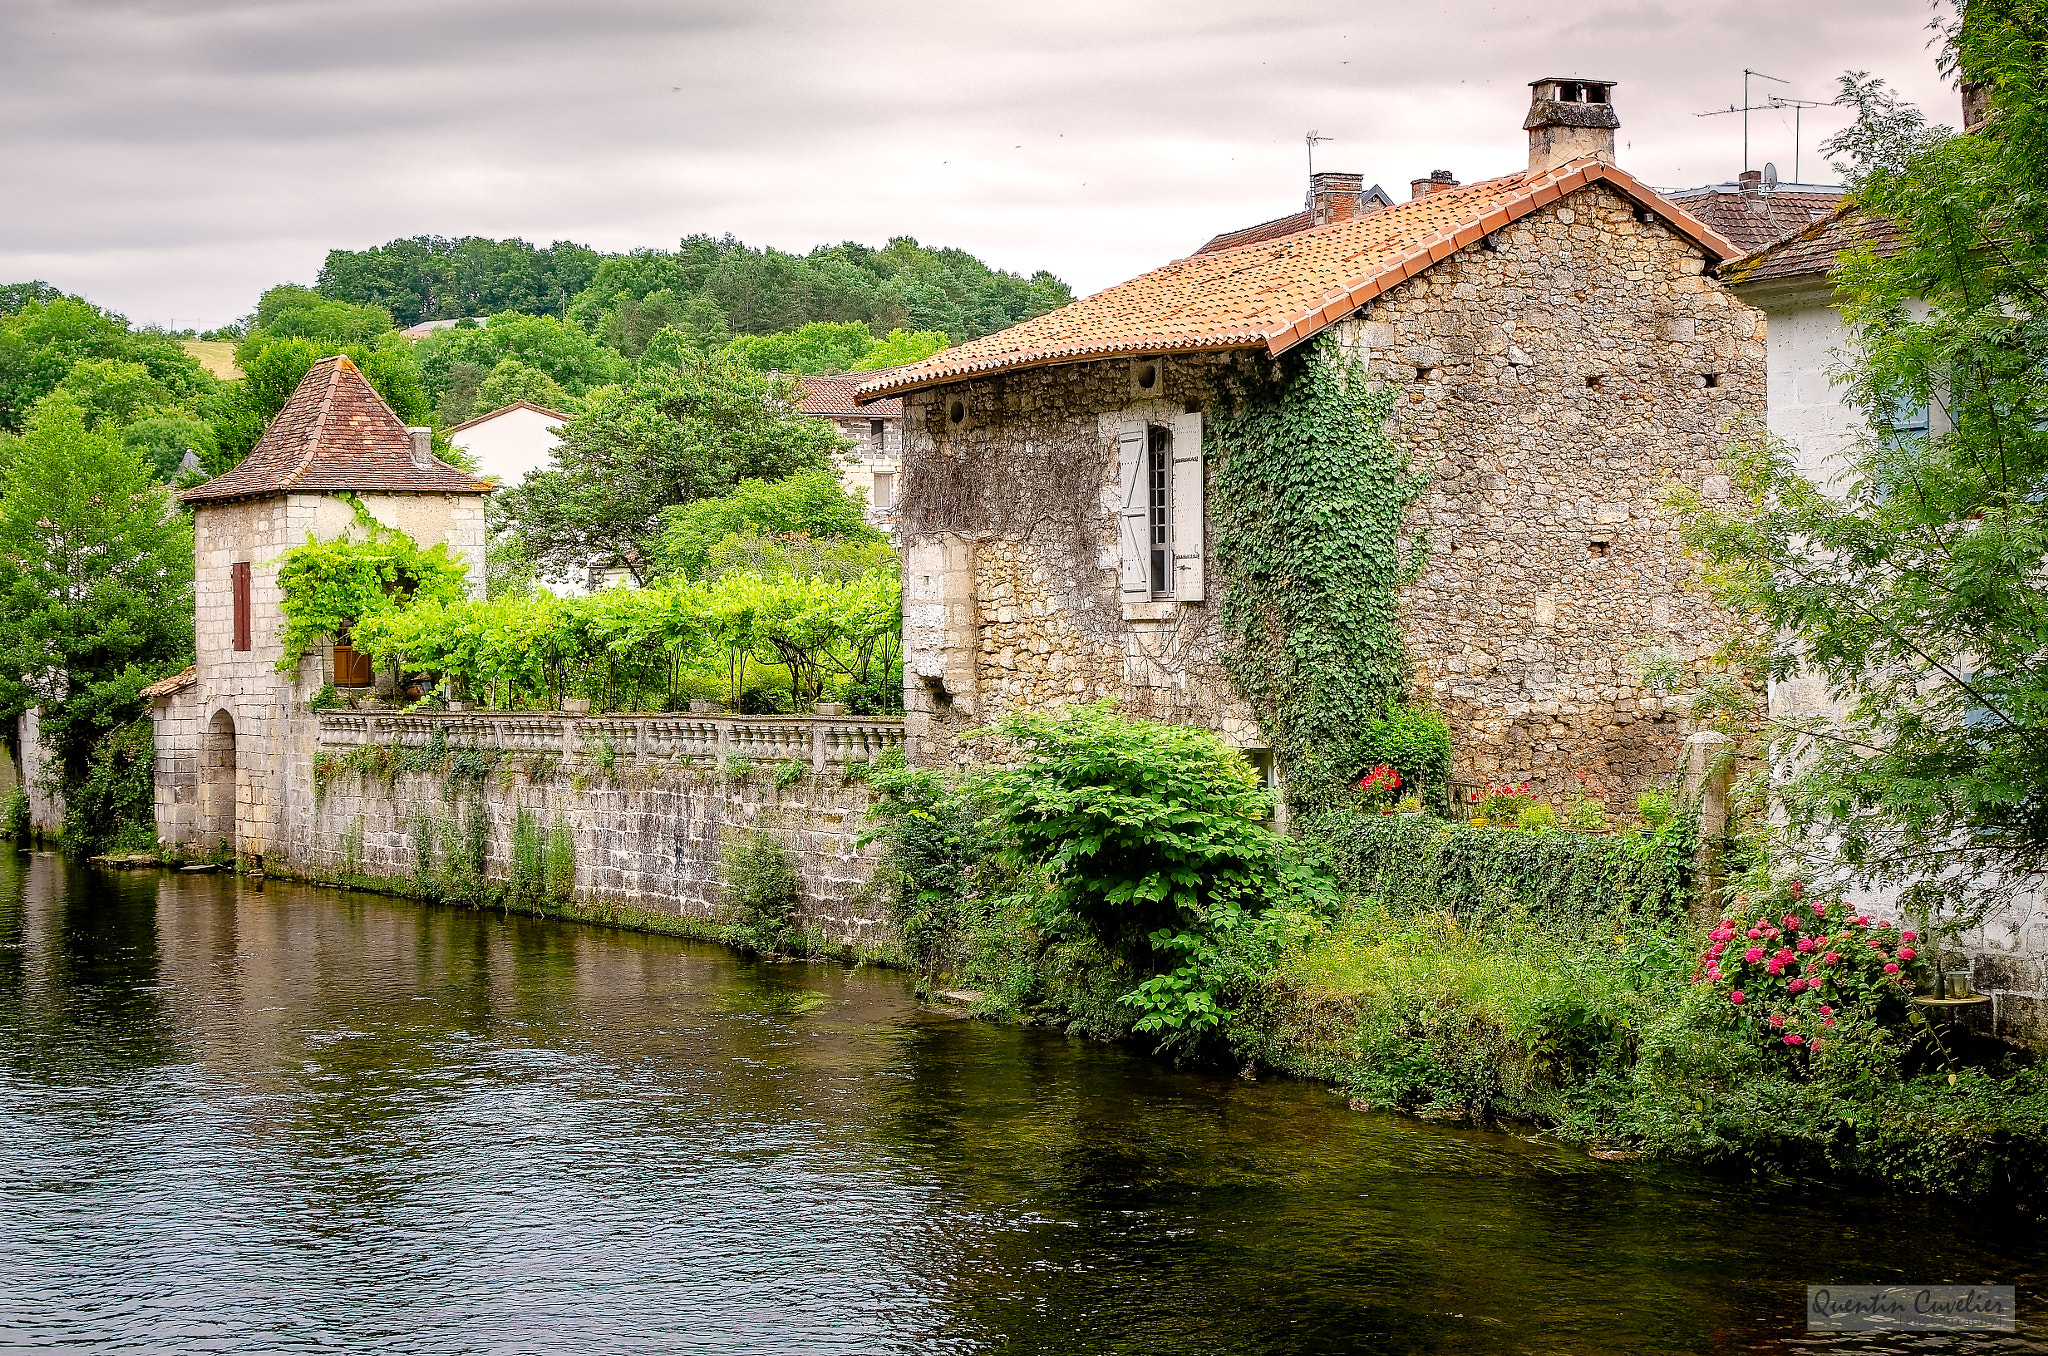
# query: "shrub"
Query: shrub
1416,743
14,815
114,807
1655,808
763,889
1504,802
1538,817
789,772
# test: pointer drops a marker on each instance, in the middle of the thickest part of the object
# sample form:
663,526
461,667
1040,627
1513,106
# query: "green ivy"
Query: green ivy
329,586
1309,494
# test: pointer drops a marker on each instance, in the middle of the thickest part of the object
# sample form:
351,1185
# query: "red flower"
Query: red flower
1755,932
1795,1039
1891,967
1753,955
1777,1019
1831,958
1909,936
1806,943
1795,889
1738,997
1907,953
1796,986
1825,1009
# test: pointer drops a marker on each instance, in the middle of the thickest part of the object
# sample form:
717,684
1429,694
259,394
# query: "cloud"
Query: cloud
179,156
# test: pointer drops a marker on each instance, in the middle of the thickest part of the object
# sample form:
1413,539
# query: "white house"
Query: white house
506,444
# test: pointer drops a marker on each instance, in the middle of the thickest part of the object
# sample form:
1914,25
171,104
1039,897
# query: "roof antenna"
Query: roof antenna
1312,139
1746,109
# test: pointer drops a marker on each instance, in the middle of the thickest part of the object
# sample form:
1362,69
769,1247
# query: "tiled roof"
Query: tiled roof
515,405
833,394
177,682
335,433
1813,250
1277,294
1265,230
1750,221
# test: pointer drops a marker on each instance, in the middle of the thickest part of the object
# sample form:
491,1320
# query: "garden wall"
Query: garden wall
647,801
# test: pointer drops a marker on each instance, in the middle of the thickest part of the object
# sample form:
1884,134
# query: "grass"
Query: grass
216,356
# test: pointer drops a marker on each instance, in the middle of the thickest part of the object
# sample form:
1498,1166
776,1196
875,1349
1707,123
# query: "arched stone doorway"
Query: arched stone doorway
217,782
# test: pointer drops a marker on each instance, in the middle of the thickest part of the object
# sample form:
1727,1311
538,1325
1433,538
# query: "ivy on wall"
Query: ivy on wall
1309,493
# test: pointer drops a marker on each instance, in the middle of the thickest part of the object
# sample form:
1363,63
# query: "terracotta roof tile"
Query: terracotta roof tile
832,393
1265,230
177,682
335,433
1276,294
1813,250
1750,221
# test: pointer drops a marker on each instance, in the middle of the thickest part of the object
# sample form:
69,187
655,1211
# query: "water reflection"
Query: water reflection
249,1120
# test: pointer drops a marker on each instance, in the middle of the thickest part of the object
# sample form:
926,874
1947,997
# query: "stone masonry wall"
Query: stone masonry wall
1552,386
650,800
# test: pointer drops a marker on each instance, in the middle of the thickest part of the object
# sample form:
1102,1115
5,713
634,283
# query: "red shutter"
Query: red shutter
241,577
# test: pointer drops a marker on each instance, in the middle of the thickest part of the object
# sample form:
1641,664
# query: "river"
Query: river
239,1118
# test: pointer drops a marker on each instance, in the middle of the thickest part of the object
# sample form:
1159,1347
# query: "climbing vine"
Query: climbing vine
329,586
1309,494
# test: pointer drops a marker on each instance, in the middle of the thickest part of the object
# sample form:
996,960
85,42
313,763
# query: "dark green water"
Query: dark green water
240,1119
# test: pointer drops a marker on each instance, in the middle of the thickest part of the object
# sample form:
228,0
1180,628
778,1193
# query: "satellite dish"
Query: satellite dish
1770,176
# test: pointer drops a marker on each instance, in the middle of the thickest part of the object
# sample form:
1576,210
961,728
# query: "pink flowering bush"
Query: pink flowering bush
1795,971
1504,802
1377,787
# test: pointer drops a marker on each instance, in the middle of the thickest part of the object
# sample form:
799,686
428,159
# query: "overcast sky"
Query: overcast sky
172,158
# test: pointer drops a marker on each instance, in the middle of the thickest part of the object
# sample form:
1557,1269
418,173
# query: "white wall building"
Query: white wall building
506,444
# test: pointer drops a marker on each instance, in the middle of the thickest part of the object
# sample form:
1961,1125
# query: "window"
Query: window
1159,509
1907,421
1160,524
238,576
884,495
875,429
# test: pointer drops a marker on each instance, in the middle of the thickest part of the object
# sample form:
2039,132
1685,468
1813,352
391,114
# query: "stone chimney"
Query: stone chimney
1569,119
422,445
1437,182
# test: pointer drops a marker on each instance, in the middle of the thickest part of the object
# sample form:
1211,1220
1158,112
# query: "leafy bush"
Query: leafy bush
331,587
1539,818
1416,742
1655,808
763,889
114,806
14,821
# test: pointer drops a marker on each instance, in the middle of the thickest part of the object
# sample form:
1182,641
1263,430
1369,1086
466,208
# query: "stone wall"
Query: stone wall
1552,386
649,800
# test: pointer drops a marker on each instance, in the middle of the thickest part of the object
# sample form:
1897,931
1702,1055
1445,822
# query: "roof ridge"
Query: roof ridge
1805,235
311,445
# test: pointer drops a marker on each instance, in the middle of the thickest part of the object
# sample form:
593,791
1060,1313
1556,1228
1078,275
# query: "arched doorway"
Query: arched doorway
217,792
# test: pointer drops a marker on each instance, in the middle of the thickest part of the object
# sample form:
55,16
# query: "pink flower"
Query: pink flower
1774,966
1738,997
1770,932
1825,1009
1784,956
1827,1021
1756,932
1909,936
1891,967
1876,944
1716,949
1753,955
1796,986
1777,1019
1806,943
1713,971
1831,958
1907,953
1795,1039
1722,934
1796,889
1789,922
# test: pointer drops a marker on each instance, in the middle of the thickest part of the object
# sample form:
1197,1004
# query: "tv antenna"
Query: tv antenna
1797,106
1746,109
1312,139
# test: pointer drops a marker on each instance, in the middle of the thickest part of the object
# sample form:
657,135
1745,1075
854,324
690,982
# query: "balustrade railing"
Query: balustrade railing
820,741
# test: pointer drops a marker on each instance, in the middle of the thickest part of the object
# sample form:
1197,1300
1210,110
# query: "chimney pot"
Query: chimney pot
1750,181
422,445
1570,118
1437,182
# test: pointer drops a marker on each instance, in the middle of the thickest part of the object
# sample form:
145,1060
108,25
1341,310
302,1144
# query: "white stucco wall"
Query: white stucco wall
507,446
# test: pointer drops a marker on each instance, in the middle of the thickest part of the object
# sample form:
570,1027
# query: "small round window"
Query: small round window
957,412
1148,376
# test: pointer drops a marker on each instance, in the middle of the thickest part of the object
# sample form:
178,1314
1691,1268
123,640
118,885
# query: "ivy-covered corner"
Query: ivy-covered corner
1311,490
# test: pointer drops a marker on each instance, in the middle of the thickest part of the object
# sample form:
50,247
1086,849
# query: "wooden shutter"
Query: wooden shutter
240,575
1187,508
1133,577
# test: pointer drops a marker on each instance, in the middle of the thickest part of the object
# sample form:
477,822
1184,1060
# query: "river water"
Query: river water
246,1119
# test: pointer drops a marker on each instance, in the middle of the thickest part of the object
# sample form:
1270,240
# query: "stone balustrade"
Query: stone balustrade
820,741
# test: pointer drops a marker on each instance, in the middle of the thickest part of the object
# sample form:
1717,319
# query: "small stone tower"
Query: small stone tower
227,728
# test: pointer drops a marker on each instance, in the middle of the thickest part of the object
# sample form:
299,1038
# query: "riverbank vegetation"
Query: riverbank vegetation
1112,880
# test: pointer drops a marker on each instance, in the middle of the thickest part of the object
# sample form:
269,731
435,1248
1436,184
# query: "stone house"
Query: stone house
232,729
1561,352
873,468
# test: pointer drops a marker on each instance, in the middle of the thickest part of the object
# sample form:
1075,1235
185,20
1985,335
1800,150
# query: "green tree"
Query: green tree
113,392
668,436
95,584
430,277
42,340
512,380
814,347
272,369
294,312
810,503
463,356
901,348
1916,593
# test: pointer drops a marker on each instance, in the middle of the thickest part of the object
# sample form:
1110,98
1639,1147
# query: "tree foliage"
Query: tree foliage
821,347
330,586
430,277
810,504
95,582
42,340
1912,586
669,435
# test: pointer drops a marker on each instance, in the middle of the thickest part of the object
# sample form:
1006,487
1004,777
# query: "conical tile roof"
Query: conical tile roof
334,434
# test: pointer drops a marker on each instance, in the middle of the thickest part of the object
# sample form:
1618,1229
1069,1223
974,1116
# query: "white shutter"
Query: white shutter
1187,508
1130,513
